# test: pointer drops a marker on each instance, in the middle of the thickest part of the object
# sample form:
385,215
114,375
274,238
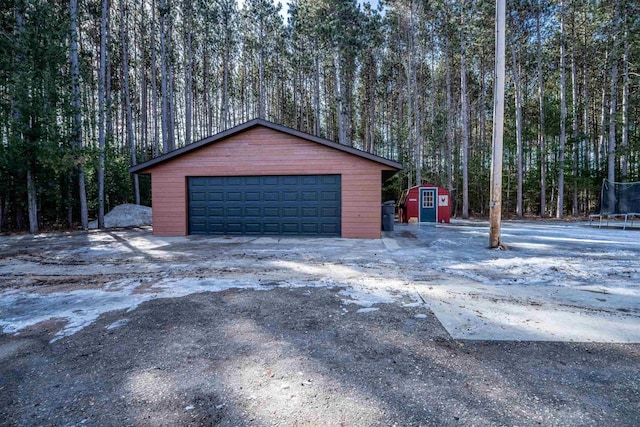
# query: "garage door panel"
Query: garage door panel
270,180
234,227
211,181
199,226
328,229
253,212
329,196
199,211
233,212
290,196
307,212
329,212
309,196
198,196
215,196
234,196
252,196
290,228
311,228
271,212
236,181
290,212
271,228
310,180
271,196
253,228
290,180
330,180
214,228
272,205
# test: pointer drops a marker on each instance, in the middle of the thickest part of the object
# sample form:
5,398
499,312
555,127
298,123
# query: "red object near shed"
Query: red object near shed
425,203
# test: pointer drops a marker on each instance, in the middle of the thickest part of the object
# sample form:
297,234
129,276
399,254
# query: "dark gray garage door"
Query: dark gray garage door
305,205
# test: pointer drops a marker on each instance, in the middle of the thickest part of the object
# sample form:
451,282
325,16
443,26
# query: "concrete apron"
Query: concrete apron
554,283
476,297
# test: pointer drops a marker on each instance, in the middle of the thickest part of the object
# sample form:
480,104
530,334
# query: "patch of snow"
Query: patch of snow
367,310
81,308
366,298
119,323
420,316
413,304
126,215
390,244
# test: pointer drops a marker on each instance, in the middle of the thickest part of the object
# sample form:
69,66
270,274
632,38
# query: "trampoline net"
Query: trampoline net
620,197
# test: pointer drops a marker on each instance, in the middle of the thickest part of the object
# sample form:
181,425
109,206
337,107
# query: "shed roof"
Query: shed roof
142,168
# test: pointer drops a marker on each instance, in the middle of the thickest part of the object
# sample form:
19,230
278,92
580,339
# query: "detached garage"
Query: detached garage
260,178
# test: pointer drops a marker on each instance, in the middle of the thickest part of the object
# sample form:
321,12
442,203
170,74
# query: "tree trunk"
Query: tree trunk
563,119
316,93
574,114
611,169
127,100
465,133
449,130
32,201
154,83
338,93
373,78
586,124
416,130
624,143
164,85
77,113
518,102
602,137
102,110
188,73
225,79
541,127
261,100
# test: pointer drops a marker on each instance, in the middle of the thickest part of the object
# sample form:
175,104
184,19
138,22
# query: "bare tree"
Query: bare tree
611,152
464,106
127,99
518,102
624,143
76,103
563,117
541,124
102,82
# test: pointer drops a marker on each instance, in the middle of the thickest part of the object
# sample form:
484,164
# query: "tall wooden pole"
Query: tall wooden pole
495,204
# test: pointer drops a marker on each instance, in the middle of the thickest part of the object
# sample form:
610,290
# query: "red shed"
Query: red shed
425,203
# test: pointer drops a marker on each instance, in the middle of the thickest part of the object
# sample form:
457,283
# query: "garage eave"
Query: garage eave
144,168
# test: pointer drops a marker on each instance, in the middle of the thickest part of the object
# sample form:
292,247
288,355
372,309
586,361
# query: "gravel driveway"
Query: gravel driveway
125,328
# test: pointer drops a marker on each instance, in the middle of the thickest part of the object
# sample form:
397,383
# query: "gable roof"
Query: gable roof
143,167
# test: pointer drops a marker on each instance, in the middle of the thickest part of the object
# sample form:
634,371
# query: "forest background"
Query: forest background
90,87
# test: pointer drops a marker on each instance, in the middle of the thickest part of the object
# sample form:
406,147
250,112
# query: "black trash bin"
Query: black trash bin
388,215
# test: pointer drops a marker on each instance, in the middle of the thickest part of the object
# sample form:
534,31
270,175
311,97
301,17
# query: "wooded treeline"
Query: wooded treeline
90,87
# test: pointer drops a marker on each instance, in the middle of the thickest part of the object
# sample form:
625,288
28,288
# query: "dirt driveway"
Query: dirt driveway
124,328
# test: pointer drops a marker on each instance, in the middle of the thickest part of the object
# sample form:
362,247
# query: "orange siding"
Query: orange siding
264,151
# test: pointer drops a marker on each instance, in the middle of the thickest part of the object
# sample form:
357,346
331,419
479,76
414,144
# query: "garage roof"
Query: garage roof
142,167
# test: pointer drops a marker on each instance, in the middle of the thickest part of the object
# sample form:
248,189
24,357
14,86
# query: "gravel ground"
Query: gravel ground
294,357
279,344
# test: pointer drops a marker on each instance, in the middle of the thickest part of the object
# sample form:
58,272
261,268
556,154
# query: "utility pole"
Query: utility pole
495,204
